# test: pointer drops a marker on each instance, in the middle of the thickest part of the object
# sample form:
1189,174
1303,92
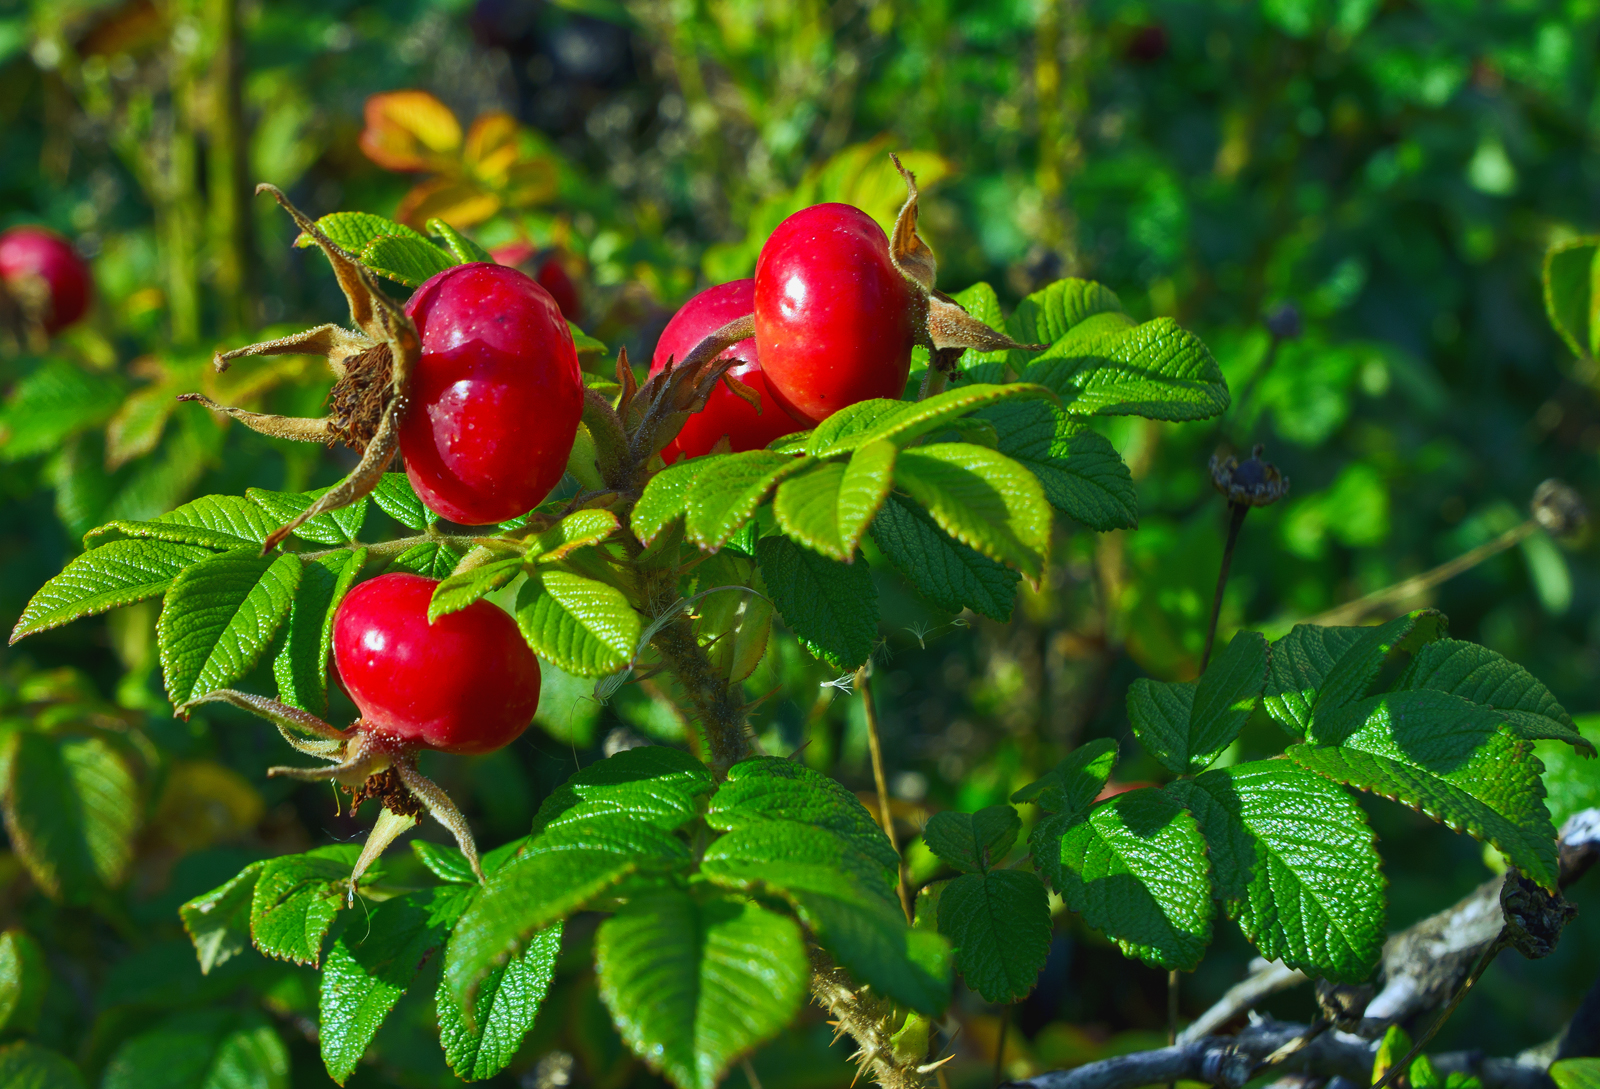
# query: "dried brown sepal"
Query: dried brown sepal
625,379
910,254
362,479
293,428
742,391
1252,482
656,413
333,342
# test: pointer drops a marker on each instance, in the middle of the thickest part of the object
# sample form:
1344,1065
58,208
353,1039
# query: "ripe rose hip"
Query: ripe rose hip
726,413
40,268
834,318
548,272
496,397
467,683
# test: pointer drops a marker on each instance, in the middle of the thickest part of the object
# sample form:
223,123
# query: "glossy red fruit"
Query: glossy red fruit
548,271
726,413
32,254
466,683
496,397
833,316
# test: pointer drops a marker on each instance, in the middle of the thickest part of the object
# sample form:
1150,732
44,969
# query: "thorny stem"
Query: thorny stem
885,814
1352,611
865,1019
1235,522
718,703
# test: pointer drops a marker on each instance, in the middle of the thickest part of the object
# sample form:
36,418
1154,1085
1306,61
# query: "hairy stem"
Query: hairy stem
866,1020
885,815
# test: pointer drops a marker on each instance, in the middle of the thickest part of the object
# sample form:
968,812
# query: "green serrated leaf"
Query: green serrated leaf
1053,311
336,527
396,498
219,616
831,607
1156,370
999,924
1572,293
201,1049
507,1002
1223,700
1446,757
354,230
1576,1073
23,978
1300,660
973,841
26,1065
54,403
71,809
583,626
983,499
408,261
1136,870
807,510
368,969
218,922
301,664
1080,471
458,591
652,784
1352,675
464,249
726,494
1294,863
588,345
1160,712
296,898
119,573
122,530
666,497
1479,674
230,514
579,529
1071,787
905,421
945,571
694,985
430,559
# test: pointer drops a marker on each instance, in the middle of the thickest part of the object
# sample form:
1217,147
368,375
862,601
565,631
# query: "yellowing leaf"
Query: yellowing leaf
409,130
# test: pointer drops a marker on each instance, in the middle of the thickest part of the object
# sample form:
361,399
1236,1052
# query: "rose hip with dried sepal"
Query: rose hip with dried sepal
44,275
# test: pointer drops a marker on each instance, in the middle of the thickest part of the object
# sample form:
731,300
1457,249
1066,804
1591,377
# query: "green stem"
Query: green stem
1235,522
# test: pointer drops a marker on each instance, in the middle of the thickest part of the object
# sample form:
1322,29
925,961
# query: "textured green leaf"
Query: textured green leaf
983,499
999,924
369,968
201,1049
905,421
218,922
296,898
1572,293
122,530
652,784
460,590
973,841
26,1065
301,664
430,559
945,571
1136,870
71,810
219,616
1576,1073
1300,660
1071,787
230,514
558,873
396,498
1294,863
464,249
1157,370
694,985
666,496
507,1002
409,261
54,403
1479,674
1053,311
1080,471
23,978
1448,758
583,626
1352,675
114,574
1224,698
831,607
353,231
725,495
1160,712
580,529
335,527
807,510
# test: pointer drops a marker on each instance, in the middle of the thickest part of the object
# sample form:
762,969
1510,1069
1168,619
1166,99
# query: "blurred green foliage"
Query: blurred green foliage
1348,200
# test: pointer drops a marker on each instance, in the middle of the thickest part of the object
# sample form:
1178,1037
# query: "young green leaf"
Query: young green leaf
218,922
1352,675
430,559
1156,370
219,616
1572,293
353,231
507,1002
726,494
693,985
369,968
983,499
1136,870
1082,475
119,573
831,607
1479,674
999,925
583,626
1071,787
458,591
1224,698
1299,662
1053,311
201,1049
1294,863
396,498
666,497
905,421
580,529
26,1065
652,784
807,510
1447,757
945,571
408,261
230,514
462,248
336,527
973,841
71,810
296,898
122,530
23,978
301,664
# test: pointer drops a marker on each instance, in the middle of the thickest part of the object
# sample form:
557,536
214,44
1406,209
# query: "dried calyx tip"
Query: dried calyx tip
1252,482
1558,509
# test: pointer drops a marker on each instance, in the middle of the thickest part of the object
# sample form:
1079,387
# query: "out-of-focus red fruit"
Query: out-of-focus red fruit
726,413
467,683
834,321
496,397
41,269
1148,44
547,270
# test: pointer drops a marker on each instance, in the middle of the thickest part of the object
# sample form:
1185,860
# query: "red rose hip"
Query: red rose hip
467,683
834,318
43,272
726,413
496,397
